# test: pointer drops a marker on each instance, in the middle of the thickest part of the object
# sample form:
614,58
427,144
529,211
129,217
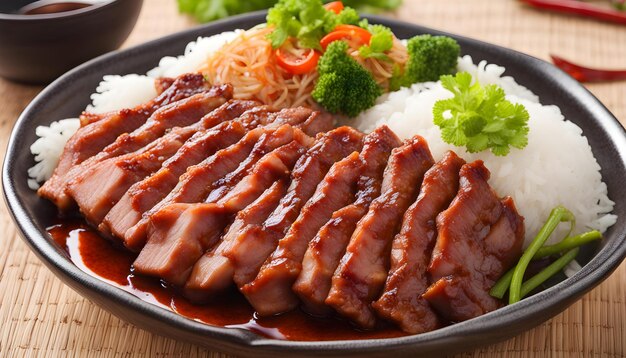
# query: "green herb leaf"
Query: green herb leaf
306,20
480,117
209,10
381,42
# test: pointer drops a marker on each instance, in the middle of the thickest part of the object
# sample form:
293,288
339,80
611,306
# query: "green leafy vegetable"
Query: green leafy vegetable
344,86
373,6
306,20
302,19
381,42
347,16
430,57
480,118
209,10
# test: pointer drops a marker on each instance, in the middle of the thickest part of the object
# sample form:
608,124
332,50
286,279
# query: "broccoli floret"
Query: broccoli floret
430,57
344,86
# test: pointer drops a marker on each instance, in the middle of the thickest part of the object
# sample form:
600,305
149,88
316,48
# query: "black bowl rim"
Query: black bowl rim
535,309
57,15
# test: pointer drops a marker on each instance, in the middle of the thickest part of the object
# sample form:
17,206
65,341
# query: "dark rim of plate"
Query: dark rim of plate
535,309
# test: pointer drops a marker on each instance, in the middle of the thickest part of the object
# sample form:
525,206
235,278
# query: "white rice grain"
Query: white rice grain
117,92
550,170
47,149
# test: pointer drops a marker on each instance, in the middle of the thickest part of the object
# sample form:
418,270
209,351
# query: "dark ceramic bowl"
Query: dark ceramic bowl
68,95
40,48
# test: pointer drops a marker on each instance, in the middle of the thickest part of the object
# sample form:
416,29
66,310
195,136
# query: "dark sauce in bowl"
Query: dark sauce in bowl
101,258
47,7
54,8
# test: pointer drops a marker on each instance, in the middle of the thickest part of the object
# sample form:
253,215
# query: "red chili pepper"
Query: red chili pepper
585,74
579,8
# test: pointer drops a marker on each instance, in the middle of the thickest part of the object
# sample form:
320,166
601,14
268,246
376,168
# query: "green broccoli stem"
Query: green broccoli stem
558,215
549,271
567,244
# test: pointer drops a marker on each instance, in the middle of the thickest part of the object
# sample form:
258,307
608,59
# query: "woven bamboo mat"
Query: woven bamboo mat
40,316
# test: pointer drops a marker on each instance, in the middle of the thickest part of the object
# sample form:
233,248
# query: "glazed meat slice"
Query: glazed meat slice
161,84
308,173
213,272
146,193
178,114
363,269
478,239
196,186
93,137
134,236
181,233
263,175
317,122
291,119
102,185
86,118
181,113
144,200
96,192
401,301
280,270
166,255
199,180
329,245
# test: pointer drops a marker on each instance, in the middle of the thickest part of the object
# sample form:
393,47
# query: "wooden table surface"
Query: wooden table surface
41,316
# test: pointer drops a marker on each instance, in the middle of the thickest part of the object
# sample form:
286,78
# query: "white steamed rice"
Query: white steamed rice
116,92
48,147
551,170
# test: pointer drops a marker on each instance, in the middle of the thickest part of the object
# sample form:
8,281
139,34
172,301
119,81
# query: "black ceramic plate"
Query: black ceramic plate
68,95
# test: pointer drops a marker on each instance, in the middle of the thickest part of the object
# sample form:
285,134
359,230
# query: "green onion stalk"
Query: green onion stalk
571,242
558,215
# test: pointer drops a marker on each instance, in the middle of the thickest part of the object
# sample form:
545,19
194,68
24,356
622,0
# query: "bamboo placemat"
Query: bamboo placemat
40,316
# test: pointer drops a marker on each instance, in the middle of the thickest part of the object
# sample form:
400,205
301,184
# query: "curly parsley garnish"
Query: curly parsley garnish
479,117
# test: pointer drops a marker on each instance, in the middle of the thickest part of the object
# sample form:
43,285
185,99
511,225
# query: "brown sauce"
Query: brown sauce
101,258
54,8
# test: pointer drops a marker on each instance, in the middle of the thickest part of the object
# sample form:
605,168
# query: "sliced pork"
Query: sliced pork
213,272
180,113
401,301
96,192
263,175
101,185
478,239
194,185
146,193
98,131
281,269
308,172
326,249
161,84
363,269
180,235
